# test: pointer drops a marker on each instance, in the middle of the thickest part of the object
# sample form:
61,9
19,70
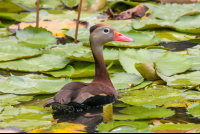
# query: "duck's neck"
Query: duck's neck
101,73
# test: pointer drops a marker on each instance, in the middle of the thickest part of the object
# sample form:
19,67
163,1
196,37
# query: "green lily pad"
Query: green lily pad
32,84
174,11
168,64
127,129
71,3
45,62
194,50
187,24
8,112
171,63
28,119
195,62
187,80
194,109
109,56
4,31
50,4
105,127
165,128
119,80
120,6
30,3
122,80
140,112
173,36
9,16
83,34
11,99
9,40
140,86
12,53
141,40
77,70
167,96
9,7
35,37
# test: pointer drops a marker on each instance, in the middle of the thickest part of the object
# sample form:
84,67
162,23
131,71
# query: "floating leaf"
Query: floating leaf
11,99
141,40
105,127
167,96
35,37
171,63
140,112
120,6
182,80
45,62
28,119
3,31
127,129
194,109
195,62
109,56
80,69
172,128
71,3
11,53
194,50
32,84
8,112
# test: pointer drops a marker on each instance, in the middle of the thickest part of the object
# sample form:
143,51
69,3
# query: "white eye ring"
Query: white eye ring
106,30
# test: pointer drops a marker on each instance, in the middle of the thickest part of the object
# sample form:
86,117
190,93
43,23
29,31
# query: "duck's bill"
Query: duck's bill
119,37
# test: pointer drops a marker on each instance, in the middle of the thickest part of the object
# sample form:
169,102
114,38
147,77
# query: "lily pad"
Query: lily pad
187,24
105,127
167,128
71,3
195,62
187,80
119,80
35,37
45,62
171,63
141,40
167,96
174,11
168,64
11,99
140,112
28,119
9,40
4,31
77,70
127,129
194,50
12,53
8,112
194,109
109,56
32,84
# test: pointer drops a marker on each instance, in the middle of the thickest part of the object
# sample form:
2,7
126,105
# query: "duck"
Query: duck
78,96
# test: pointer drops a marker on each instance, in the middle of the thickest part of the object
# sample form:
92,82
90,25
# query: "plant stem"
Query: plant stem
37,16
77,23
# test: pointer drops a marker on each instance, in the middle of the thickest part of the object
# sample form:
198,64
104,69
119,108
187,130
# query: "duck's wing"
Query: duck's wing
95,94
69,92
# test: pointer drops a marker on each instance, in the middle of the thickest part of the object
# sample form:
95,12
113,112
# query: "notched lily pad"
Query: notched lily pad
35,37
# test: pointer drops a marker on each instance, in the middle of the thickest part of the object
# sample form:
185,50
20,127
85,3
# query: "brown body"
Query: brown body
100,91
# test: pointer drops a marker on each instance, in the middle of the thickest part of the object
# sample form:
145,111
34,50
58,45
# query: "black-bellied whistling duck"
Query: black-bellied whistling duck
100,91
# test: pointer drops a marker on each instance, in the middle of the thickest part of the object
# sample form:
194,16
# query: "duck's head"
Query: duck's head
103,33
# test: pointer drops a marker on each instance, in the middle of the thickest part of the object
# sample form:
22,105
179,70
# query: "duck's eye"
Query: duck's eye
106,30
